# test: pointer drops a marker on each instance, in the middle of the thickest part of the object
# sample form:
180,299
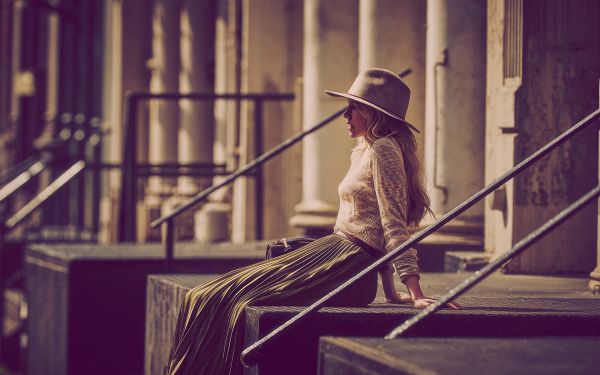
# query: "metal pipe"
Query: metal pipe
23,178
39,199
250,355
258,177
170,244
211,96
467,284
2,286
127,209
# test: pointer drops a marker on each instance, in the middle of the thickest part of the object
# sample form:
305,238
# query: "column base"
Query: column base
594,283
467,227
315,220
153,208
211,223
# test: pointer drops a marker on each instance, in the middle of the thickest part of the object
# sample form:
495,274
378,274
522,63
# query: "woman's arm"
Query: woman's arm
389,288
417,296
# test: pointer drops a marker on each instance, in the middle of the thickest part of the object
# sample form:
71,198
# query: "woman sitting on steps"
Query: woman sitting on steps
381,195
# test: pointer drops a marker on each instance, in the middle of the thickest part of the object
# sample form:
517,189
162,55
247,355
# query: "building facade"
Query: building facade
492,81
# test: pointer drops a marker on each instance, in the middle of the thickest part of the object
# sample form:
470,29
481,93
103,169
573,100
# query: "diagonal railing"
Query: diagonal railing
478,276
6,226
169,218
251,354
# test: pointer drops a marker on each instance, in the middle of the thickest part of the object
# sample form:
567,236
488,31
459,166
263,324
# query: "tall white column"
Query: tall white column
213,220
330,62
378,47
455,103
260,203
128,37
164,115
196,129
595,275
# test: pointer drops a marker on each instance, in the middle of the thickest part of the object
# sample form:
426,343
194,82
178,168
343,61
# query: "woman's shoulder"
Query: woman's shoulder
386,146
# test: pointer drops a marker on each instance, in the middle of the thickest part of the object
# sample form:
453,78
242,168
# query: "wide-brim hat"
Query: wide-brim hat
381,89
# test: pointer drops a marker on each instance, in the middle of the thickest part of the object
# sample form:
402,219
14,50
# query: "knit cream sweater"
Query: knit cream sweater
374,201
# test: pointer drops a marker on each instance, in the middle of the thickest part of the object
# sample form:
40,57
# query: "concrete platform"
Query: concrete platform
165,296
503,306
87,303
460,356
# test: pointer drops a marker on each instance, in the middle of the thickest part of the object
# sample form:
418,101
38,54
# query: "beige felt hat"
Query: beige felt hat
381,89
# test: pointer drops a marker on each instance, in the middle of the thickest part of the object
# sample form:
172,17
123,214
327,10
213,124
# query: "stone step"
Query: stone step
433,250
165,295
459,356
465,261
502,306
486,317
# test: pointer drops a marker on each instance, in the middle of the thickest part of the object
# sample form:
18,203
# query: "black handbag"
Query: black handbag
286,245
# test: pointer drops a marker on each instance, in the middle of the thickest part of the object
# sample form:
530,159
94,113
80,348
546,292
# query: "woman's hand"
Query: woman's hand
423,302
398,298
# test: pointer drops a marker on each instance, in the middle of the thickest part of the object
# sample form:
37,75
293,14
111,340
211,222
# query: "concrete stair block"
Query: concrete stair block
502,306
465,261
165,296
459,356
87,303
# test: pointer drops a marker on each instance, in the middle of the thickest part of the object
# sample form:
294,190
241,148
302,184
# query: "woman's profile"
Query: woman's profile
380,196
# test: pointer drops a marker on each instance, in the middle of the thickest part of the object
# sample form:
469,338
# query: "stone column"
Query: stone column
595,275
330,62
196,118
196,130
213,220
455,105
548,64
164,115
378,47
269,25
128,36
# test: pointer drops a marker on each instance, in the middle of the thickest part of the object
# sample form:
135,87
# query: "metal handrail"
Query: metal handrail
24,177
129,175
248,168
18,168
45,194
473,280
5,226
32,166
250,355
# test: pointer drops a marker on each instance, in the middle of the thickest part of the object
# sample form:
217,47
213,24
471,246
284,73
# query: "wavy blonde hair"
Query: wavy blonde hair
380,125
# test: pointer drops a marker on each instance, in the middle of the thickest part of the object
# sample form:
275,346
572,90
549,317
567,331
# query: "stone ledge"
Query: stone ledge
464,356
296,351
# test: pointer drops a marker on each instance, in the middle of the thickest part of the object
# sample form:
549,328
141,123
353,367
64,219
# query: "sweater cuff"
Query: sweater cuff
407,264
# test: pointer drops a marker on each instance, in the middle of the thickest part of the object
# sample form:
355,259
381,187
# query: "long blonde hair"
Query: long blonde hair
380,125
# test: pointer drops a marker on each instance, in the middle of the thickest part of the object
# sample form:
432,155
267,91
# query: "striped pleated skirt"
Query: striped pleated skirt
209,332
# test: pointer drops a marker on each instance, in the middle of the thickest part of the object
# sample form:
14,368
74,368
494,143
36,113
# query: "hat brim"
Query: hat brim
366,102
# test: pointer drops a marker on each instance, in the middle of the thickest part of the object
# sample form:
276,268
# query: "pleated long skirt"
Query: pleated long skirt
209,333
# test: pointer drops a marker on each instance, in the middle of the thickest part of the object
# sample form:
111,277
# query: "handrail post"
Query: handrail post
169,238
258,172
127,208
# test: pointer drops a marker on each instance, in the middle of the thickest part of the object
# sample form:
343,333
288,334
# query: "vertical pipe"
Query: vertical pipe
258,173
2,233
169,237
127,213
95,141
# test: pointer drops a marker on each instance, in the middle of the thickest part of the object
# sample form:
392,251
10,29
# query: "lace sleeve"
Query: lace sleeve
389,181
